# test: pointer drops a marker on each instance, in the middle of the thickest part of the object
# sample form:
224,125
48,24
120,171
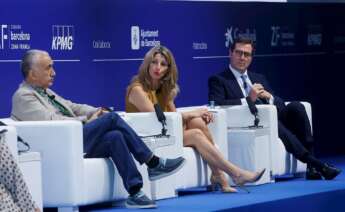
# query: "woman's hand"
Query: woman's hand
207,116
203,113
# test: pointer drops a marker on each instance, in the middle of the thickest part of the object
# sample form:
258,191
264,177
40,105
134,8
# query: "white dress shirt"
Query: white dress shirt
238,75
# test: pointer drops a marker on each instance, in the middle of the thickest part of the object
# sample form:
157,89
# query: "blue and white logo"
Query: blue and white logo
14,37
314,37
144,37
235,32
62,37
282,36
135,37
4,36
275,35
228,37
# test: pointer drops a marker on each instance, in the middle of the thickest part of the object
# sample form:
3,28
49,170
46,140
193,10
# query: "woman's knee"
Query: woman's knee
196,133
193,137
197,123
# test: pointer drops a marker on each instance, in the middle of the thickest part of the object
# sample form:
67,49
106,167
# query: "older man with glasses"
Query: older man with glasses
105,133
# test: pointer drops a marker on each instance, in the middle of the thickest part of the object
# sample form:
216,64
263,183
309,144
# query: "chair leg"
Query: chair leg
68,209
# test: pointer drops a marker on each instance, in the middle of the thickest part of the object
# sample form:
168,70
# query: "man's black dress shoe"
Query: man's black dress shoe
312,174
329,172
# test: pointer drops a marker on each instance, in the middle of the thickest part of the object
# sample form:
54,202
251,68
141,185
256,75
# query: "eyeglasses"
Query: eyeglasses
163,64
239,53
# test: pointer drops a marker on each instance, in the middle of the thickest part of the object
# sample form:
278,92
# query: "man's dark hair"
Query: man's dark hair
242,40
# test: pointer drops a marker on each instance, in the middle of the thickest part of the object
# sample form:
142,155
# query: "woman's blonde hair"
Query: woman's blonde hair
169,87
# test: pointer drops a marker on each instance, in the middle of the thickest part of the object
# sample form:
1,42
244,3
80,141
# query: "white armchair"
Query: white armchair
147,124
69,180
281,161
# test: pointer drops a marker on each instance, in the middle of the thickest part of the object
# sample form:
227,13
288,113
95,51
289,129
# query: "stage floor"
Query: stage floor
286,195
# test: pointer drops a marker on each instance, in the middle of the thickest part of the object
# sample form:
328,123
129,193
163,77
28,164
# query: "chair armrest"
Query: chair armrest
308,109
240,116
61,146
147,124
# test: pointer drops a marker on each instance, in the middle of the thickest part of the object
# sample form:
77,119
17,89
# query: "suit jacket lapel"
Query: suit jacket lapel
234,86
253,77
44,101
39,97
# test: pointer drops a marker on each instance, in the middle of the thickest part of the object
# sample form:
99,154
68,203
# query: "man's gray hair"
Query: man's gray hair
29,59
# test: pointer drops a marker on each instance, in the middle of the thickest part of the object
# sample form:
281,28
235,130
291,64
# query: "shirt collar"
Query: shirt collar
40,90
237,73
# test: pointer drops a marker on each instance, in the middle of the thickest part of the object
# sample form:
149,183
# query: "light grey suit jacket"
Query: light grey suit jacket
29,105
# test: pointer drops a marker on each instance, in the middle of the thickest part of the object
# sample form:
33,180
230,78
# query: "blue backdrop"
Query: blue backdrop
98,46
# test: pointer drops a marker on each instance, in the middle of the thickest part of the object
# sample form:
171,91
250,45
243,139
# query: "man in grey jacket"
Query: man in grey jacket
105,133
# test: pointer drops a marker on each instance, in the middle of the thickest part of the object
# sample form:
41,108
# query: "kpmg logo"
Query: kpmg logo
235,32
282,36
144,37
14,37
62,37
4,36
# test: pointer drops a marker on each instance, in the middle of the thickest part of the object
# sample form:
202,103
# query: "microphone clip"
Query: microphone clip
164,130
256,122
161,118
253,110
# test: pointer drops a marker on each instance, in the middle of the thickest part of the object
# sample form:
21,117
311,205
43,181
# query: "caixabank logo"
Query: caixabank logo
235,32
144,37
62,37
13,37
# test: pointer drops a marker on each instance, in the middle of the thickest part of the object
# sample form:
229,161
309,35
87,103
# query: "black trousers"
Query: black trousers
295,131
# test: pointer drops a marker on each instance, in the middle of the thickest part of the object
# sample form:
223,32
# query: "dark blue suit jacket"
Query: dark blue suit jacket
224,89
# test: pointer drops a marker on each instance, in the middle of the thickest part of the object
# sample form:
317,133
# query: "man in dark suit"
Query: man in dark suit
232,86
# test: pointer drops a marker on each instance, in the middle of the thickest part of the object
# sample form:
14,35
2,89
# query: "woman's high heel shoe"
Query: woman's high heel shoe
241,180
221,182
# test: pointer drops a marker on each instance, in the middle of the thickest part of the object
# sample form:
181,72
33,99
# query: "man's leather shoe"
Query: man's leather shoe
312,174
329,172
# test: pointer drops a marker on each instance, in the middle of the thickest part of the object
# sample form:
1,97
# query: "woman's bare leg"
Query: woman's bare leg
217,175
198,123
195,138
